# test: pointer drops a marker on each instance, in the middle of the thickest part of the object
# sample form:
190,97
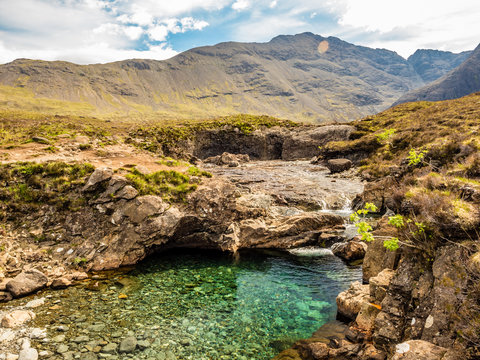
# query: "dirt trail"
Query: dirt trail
70,150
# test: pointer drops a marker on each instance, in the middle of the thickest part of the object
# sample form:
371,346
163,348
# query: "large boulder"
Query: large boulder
418,350
17,318
350,250
228,159
26,283
349,302
338,165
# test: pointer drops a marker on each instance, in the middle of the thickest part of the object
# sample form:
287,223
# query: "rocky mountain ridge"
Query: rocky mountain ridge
459,82
304,77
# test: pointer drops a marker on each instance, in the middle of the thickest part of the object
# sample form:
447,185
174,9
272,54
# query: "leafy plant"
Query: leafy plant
385,135
415,158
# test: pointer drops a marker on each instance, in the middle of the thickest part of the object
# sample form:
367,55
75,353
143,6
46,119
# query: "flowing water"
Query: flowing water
200,305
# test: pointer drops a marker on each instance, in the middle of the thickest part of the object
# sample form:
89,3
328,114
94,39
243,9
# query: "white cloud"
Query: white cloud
437,24
100,29
158,33
100,52
273,4
241,5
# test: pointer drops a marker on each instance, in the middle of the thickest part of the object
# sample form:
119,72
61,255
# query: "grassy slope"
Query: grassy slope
443,188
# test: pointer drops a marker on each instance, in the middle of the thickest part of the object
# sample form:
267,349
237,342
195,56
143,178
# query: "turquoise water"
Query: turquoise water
199,305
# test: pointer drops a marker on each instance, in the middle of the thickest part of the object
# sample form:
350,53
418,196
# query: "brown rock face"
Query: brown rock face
338,165
376,259
27,282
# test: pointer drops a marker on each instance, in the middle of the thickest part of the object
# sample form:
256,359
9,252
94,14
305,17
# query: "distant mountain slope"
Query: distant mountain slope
304,76
461,81
433,64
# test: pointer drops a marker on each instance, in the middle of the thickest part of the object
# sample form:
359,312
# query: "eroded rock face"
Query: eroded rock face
377,258
26,283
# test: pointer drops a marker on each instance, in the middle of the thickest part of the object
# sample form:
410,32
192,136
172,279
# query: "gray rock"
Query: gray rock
26,283
58,338
62,348
81,339
143,344
110,348
99,177
40,140
143,207
128,344
89,356
127,193
351,250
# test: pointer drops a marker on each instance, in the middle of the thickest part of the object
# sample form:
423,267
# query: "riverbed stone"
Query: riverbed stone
28,354
26,283
128,344
110,348
61,283
62,348
35,303
5,296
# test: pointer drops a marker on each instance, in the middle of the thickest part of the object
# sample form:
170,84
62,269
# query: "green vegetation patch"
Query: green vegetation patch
19,127
171,185
27,185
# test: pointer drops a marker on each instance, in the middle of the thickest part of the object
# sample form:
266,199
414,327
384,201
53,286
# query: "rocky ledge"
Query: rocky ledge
119,227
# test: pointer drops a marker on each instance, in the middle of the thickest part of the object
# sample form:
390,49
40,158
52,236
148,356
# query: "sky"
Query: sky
99,31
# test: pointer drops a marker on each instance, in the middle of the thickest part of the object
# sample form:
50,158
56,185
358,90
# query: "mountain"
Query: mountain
304,77
459,82
433,64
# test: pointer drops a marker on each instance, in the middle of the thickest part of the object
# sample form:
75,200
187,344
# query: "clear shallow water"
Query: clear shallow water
199,305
